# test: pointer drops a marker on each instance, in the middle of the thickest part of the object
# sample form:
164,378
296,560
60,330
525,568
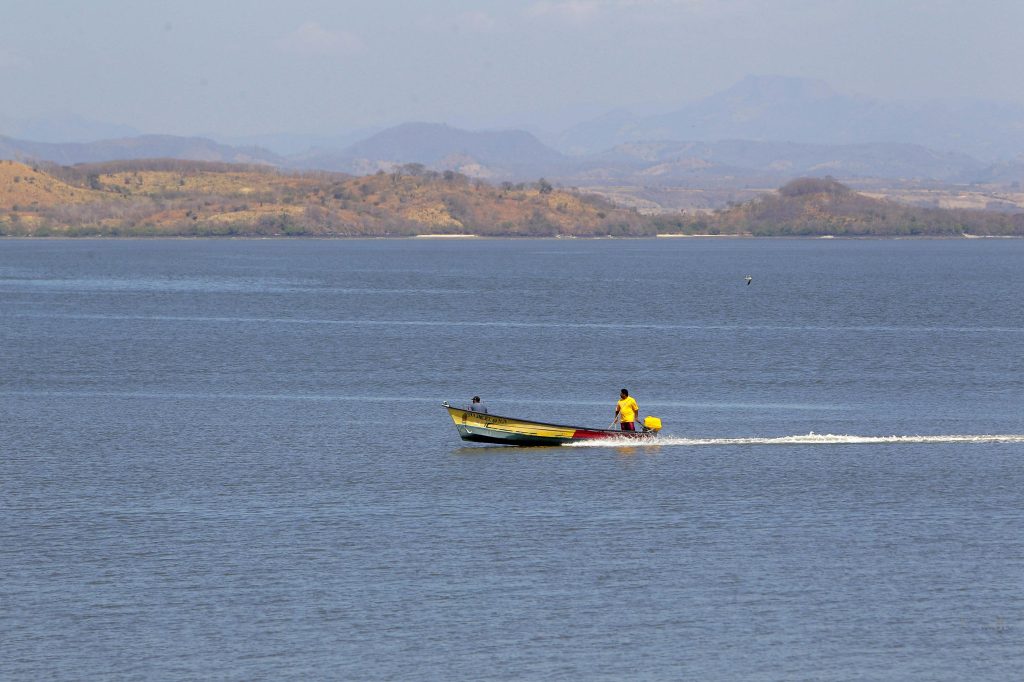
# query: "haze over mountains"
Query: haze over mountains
487,154
778,108
138,147
763,131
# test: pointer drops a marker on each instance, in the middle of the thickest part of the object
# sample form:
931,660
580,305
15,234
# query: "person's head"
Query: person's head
476,399
624,393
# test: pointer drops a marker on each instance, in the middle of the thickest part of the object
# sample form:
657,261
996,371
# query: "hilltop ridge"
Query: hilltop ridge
171,197
823,206
28,189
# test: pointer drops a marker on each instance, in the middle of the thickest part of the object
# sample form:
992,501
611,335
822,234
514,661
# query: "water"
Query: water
228,460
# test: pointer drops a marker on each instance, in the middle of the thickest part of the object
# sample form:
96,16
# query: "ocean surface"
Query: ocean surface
228,460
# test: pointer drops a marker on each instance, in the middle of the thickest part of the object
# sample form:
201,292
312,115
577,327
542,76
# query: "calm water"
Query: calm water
228,460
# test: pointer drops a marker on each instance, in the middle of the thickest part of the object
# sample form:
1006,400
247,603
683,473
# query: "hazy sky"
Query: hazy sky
319,66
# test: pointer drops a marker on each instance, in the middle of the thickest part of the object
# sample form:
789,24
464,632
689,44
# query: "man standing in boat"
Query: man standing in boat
477,406
626,411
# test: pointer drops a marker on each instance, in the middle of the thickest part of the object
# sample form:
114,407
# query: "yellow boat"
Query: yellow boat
480,427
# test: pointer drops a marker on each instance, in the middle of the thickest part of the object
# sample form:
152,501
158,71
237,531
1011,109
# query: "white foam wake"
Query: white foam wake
809,439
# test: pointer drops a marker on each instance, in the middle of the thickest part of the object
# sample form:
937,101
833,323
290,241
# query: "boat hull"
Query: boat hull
477,427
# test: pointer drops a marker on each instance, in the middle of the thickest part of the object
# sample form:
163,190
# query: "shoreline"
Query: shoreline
480,237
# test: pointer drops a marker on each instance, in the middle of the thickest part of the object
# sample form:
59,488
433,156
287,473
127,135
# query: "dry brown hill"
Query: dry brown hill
822,206
27,188
170,197
189,198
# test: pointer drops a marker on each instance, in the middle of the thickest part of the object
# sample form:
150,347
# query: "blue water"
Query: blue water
228,460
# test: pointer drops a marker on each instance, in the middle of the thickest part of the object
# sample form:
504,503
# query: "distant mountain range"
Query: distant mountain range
682,163
140,147
518,156
783,109
486,154
761,133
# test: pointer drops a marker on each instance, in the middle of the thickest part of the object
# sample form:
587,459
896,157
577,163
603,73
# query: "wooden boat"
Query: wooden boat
480,427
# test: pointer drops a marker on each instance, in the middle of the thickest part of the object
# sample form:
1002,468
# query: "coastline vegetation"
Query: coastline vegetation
825,207
187,198
166,197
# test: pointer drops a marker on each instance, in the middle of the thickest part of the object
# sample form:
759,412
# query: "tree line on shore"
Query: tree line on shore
167,197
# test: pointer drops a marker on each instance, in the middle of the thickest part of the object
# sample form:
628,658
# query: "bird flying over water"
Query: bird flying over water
748,279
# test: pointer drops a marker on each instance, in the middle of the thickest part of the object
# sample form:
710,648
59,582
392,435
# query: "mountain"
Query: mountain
1009,173
141,147
293,144
676,163
506,154
784,109
501,155
494,155
653,176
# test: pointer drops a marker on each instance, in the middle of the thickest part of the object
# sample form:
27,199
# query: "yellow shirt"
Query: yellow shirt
628,409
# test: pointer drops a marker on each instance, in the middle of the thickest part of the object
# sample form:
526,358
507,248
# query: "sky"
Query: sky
236,67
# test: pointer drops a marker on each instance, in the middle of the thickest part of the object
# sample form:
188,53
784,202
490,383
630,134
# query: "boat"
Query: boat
481,427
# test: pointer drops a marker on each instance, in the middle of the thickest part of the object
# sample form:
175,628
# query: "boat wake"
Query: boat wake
809,439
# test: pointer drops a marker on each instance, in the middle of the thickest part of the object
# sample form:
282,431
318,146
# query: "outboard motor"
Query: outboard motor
652,424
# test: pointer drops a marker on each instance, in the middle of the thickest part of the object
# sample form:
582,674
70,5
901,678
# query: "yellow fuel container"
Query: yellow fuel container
652,423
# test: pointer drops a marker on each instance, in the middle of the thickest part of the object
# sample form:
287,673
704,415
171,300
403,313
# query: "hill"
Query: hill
172,197
822,206
655,176
28,188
